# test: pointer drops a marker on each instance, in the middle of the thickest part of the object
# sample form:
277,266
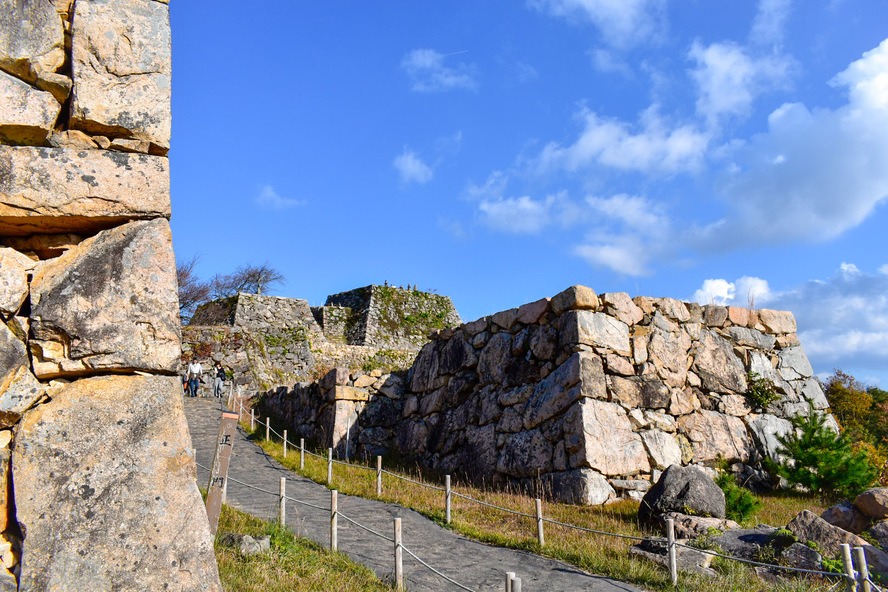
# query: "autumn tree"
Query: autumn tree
252,279
192,290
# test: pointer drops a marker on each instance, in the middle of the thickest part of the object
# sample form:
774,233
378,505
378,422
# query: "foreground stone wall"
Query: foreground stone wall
97,475
590,397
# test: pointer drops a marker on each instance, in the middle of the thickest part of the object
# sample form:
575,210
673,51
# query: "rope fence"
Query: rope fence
856,576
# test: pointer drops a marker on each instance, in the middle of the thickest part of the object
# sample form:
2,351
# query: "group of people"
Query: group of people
193,374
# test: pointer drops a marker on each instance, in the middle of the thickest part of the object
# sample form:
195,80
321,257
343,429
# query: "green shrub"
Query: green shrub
823,461
740,503
760,392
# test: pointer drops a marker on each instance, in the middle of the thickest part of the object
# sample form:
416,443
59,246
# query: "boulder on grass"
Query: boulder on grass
683,489
688,527
847,517
873,502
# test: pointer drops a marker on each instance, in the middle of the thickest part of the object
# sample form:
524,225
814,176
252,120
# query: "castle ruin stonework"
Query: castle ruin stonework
586,397
97,474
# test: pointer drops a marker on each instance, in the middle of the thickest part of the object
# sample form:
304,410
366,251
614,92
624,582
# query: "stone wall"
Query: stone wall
591,397
97,475
390,317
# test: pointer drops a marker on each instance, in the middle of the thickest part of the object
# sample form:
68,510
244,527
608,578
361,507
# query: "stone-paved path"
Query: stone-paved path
476,565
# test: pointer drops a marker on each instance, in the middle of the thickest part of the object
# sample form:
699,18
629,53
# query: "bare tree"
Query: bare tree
192,290
247,278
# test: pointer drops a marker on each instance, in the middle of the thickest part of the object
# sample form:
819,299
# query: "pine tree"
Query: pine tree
822,460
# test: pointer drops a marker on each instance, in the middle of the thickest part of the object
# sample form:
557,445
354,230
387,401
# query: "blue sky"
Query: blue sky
499,152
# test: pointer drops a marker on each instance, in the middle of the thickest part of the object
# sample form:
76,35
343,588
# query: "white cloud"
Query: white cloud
729,79
607,61
622,23
743,292
411,168
517,215
428,73
842,321
655,148
492,189
884,269
628,232
814,174
769,23
269,198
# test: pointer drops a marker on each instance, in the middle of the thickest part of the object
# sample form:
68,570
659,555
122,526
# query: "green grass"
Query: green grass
291,565
599,554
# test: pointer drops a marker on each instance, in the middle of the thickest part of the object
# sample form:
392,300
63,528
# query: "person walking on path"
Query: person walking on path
218,380
194,372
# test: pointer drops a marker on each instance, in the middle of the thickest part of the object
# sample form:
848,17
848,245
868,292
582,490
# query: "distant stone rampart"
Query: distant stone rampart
588,396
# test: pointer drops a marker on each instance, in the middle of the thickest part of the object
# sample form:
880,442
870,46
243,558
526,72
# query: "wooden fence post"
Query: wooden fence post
850,584
671,550
447,499
219,473
267,429
862,570
329,466
399,557
539,512
379,476
510,575
252,420
301,454
334,519
516,585
285,443
282,506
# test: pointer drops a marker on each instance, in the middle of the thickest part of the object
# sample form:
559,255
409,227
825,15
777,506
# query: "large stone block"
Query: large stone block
13,352
54,190
121,63
580,486
596,329
110,303
32,39
714,435
19,390
669,353
717,365
581,375
27,115
765,430
599,435
663,448
125,511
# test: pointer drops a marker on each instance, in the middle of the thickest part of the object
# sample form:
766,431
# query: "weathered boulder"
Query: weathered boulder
687,559
777,321
27,115
669,354
110,303
580,375
525,454
879,533
808,526
32,39
121,64
54,190
847,517
689,527
126,512
574,298
494,359
599,435
683,489
715,435
598,330
245,544
765,430
717,366
620,305
801,556
793,364
14,269
873,502
752,338
583,487
745,542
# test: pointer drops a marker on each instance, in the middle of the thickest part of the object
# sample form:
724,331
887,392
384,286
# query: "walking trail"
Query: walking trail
475,565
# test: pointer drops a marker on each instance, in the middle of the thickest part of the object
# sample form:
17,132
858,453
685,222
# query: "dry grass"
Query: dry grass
599,554
291,565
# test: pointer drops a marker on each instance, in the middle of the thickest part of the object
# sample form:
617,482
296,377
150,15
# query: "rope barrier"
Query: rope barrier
368,529
760,564
403,478
489,505
435,571
613,534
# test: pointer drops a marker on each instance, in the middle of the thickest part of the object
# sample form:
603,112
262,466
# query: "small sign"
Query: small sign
219,474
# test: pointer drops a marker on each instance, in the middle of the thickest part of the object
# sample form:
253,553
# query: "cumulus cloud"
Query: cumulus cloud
652,147
628,231
428,72
842,320
729,79
621,23
411,168
815,173
743,292
769,23
268,197
518,215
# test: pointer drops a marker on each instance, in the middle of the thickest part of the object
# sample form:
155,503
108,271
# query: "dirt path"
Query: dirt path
475,565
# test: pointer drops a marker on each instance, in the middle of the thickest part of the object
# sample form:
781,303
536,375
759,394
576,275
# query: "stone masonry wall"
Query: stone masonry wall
97,475
591,397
